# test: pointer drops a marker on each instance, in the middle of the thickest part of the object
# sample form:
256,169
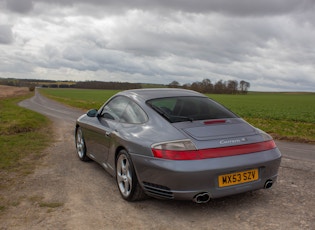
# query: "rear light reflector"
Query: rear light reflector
213,152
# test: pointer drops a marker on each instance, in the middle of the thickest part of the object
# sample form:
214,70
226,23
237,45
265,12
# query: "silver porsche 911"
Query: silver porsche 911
176,144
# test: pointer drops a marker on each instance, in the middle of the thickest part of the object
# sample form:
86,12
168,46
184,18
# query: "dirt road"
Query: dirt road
6,91
65,193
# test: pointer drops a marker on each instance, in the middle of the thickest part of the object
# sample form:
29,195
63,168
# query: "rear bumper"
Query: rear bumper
183,180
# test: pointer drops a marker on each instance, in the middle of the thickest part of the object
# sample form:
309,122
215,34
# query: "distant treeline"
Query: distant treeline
107,85
205,86
70,84
219,87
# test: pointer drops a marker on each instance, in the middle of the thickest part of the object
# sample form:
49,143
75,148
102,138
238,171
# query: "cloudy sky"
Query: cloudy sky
270,43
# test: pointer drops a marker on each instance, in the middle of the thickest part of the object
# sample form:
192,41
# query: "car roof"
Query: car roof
151,93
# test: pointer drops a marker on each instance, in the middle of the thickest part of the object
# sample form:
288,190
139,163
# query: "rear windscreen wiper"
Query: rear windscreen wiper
181,118
161,112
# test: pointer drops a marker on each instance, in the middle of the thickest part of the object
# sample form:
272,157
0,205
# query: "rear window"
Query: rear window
177,109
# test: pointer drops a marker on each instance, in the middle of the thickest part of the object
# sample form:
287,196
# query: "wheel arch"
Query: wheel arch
77,126
118,149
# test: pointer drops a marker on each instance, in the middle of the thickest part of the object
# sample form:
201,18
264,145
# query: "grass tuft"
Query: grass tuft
50,204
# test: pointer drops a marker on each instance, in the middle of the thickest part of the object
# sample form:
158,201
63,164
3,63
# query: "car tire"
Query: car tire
80,145
126,178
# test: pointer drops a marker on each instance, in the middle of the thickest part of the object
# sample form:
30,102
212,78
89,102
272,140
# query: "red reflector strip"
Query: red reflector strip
214,122
215,152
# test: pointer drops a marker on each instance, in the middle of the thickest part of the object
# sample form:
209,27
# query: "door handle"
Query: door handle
107,133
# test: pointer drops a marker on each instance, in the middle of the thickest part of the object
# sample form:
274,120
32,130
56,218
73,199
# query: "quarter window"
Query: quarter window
124,110
133,114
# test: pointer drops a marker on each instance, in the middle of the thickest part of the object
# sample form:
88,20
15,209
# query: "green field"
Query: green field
289,116
79,98
279,106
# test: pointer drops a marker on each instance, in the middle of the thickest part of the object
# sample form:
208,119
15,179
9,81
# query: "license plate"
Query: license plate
238,178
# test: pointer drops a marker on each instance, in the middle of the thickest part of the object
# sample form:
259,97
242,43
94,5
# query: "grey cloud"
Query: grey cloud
19,6
208,38
50,51
268,43
6,35
187,40
236,7
72,54
16,63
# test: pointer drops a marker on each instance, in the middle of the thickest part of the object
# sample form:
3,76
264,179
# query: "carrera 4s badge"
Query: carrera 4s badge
232,141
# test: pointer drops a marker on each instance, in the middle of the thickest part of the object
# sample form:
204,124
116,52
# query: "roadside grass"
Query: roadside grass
22,133
286,116
23,137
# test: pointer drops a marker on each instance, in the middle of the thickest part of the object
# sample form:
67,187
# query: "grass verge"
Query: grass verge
23,137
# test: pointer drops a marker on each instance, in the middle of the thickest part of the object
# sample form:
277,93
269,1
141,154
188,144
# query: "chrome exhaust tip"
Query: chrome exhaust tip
202,198
268,184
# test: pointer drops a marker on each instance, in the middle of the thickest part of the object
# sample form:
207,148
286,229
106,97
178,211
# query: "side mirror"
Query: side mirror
92,113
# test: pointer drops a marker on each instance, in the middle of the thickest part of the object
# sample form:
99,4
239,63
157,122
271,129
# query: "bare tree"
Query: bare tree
232,86
196,86
206,86
219,87
174,84
244,86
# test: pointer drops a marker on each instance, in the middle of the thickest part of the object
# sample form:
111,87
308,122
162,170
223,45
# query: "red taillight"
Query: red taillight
213,152
176,155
